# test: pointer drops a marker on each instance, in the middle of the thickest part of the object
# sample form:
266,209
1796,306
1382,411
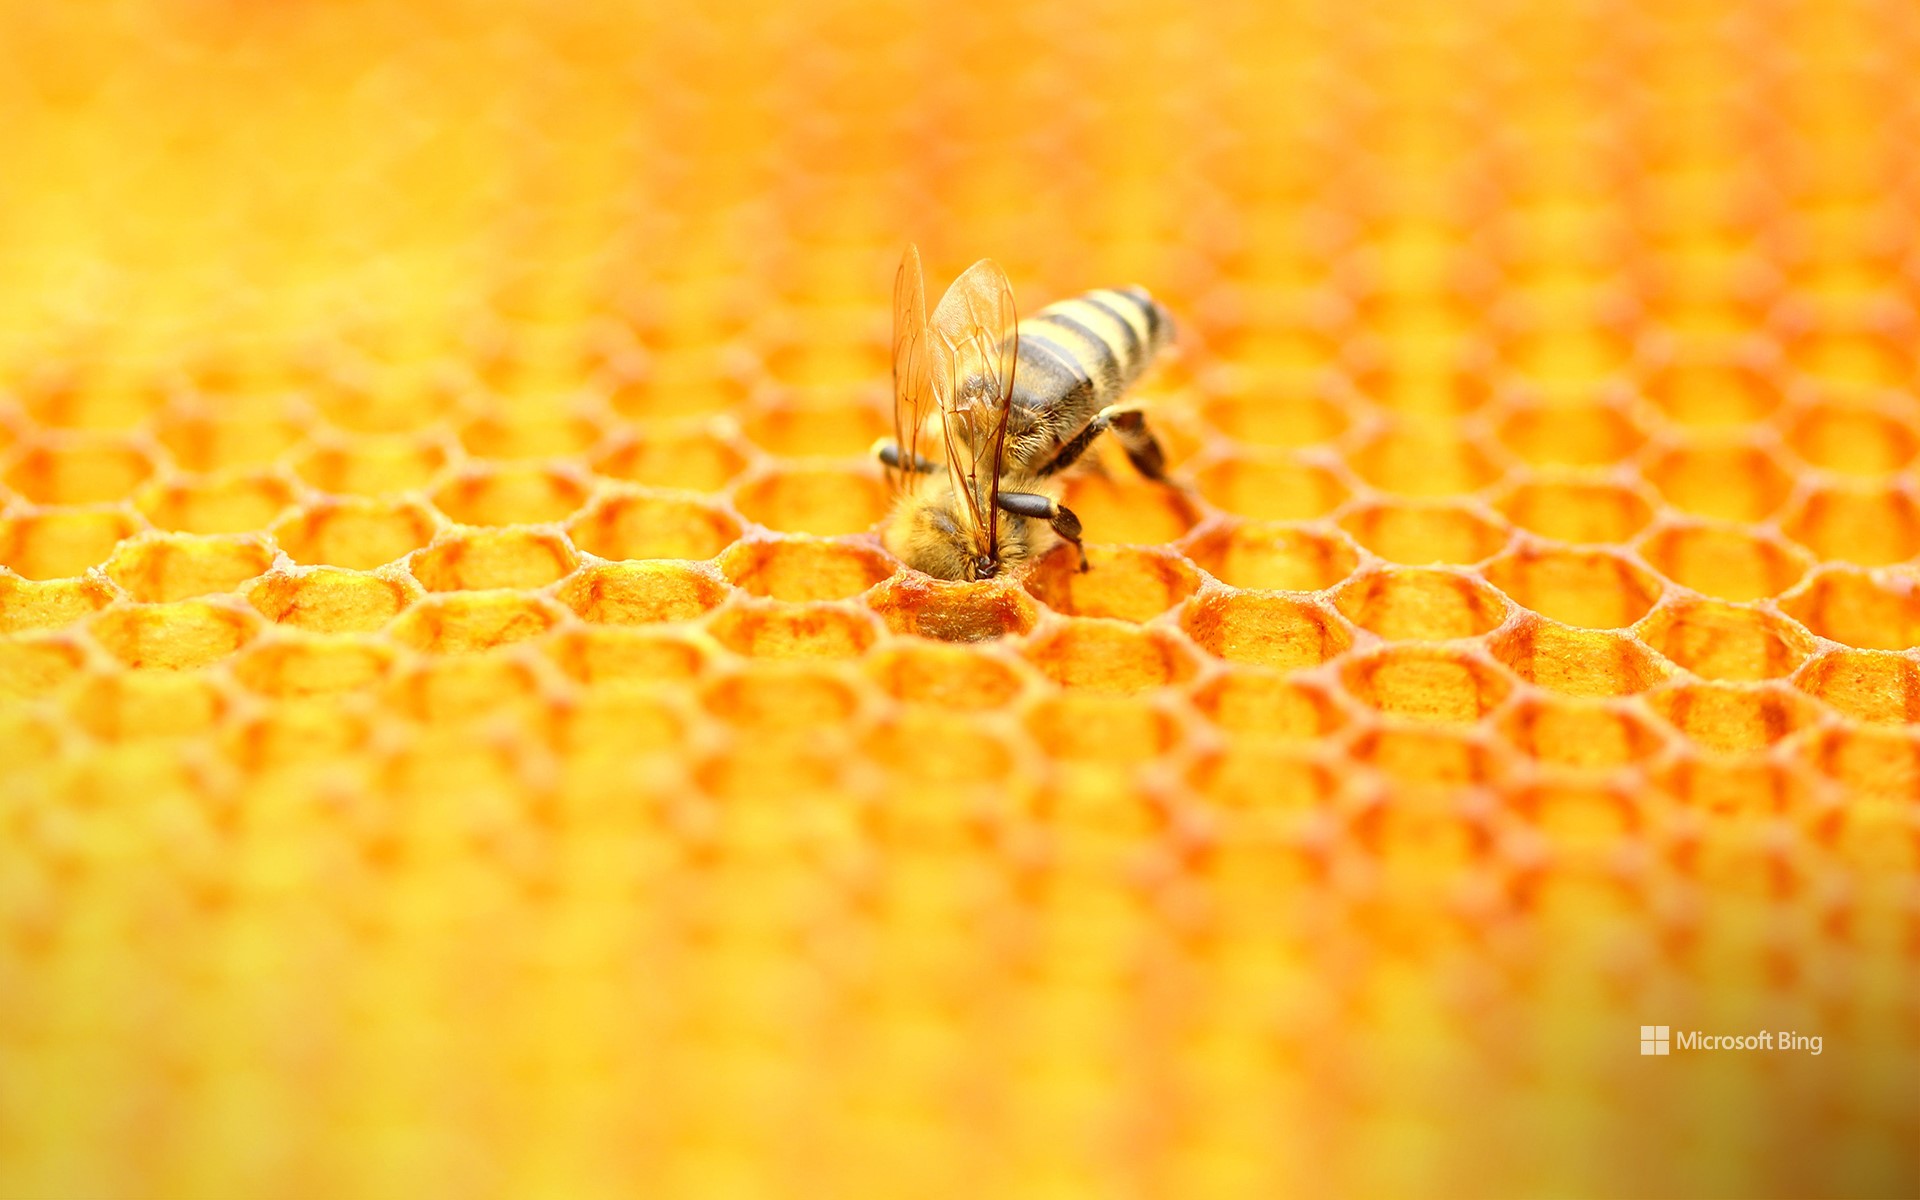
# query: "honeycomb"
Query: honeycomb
460,734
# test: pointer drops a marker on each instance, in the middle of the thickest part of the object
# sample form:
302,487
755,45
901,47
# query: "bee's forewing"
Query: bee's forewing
972,346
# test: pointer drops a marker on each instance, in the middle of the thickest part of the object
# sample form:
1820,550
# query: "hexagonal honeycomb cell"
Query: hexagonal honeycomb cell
462,733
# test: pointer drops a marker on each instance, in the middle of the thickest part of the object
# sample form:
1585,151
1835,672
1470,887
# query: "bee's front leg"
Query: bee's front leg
1045,508
888,452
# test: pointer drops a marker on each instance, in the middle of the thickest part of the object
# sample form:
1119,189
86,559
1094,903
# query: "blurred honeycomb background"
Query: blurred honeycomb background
460,735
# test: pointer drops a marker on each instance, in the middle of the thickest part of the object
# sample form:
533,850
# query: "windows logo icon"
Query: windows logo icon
1653,1039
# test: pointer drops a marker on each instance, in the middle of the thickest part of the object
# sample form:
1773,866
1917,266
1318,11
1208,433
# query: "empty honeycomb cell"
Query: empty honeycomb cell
472,559
1084,726
329,600
824,500
694,456
1124,583
1427,843
1577,510
617,723
1725,641
51,603
838,429
1263,778
1425,683
1870,685
297,733
1733,718
1591,589
511,495
951,678
181,635
1731,481
1282,416
64,397
910,602
34,666
1713,394
1264,630
782,698
1725,562
459,623
317,667
1732,788
1570,435
1106,656
750,773
1580,816
1427,756
1259,703
1577,662
1272,557
837,357
139,704
1868,760
80,472
372,465
222,503
780,630
455,688
357,534
642,526
803,568
685,382
29,737
1422,532
181,566
1852,441
1859,609
642,593
216,442
1125,508
1446,386
374,397
1267,486
1408,604
1417,461
1580,733
930,748
59,543
541,433
1852,358
626,654
1865,525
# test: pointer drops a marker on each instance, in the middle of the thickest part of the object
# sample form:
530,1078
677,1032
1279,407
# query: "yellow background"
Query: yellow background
459,735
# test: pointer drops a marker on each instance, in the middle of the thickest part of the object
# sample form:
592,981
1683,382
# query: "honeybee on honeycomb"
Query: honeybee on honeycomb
1015,404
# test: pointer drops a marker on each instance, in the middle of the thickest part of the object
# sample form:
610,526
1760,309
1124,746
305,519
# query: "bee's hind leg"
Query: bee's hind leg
1045,508
1130,426
1143,449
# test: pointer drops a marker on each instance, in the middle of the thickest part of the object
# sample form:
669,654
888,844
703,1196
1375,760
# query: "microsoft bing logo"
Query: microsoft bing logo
1653,1039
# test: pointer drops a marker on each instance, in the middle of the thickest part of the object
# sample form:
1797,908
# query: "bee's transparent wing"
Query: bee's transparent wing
910,381
972,344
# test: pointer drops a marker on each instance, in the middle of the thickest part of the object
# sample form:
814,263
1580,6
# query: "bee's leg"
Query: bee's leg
1143,449
1130,426
889,455
1054,513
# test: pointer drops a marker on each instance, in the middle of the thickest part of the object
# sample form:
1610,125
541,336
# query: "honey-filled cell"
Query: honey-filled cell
463,731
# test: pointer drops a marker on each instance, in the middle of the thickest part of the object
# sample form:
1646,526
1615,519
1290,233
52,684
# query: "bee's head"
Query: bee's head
935,535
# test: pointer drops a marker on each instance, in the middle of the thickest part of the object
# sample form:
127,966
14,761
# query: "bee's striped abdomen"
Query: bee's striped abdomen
1080,355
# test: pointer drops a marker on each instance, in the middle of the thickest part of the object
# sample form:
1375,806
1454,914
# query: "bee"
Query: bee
1013,405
